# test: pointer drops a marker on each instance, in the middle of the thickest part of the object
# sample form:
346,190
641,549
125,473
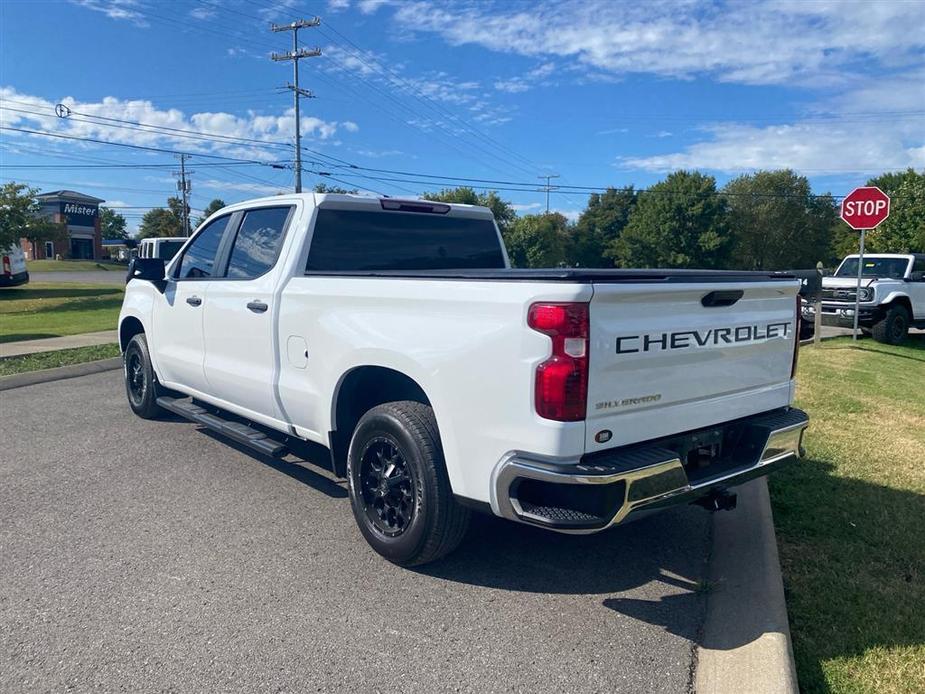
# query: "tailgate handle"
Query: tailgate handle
722,298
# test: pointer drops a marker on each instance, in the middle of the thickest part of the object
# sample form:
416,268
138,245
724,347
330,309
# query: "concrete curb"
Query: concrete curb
746,639
30,378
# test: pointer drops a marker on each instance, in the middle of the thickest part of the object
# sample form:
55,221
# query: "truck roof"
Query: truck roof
359,201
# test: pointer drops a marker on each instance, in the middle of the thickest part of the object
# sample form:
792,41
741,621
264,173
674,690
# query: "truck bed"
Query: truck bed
579,275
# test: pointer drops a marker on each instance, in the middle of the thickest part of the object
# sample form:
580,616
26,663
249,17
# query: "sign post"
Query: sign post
863,209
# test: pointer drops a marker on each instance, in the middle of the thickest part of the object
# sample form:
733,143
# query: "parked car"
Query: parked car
13,268
163,247
394,333
892,300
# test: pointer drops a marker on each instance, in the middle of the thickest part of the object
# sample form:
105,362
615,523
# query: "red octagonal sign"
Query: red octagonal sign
865,207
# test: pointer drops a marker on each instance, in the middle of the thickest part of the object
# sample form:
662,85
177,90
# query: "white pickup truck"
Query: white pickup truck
394,333
892,300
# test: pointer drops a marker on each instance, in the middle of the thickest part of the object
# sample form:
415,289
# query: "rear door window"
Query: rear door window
258,241
360,240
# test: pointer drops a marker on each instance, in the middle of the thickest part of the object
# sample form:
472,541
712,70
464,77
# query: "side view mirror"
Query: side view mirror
150,269
918,276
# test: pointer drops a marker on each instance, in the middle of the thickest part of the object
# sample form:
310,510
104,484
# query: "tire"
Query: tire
399,489
894,326
141,386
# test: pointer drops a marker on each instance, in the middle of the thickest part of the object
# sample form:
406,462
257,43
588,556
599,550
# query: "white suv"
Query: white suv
892,297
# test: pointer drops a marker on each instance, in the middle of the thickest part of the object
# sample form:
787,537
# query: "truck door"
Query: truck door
917,289
177,336
241,362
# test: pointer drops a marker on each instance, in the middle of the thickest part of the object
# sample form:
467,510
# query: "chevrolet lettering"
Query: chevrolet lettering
683,339
442,382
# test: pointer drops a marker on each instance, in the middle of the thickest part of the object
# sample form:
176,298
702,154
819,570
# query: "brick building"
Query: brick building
81,214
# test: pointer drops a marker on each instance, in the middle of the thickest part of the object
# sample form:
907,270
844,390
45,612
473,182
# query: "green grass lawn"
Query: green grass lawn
61,357
851,519
72,266
38,310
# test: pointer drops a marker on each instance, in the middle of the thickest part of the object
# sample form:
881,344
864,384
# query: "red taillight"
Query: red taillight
796,338
561,388
7,268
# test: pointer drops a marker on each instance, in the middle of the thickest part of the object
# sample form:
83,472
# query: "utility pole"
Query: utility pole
295,55
548,187
184,187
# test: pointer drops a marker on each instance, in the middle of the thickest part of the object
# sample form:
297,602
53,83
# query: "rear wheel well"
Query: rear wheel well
127,330
361,390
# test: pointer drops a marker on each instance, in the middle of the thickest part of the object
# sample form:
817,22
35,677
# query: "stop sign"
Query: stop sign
865,207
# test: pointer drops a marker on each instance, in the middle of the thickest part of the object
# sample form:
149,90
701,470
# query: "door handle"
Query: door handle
193,300
257,306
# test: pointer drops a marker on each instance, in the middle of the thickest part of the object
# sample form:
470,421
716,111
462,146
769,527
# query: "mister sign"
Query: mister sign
864,208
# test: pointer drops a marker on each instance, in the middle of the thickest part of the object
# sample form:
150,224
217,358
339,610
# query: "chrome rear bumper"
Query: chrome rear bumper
605,489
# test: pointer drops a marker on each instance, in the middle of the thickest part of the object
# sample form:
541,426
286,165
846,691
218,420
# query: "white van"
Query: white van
13,268
163,247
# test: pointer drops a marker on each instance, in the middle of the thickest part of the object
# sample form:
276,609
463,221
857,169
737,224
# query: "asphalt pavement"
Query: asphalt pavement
116,276
152,556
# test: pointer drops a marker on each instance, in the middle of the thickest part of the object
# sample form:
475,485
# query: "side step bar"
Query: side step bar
241,433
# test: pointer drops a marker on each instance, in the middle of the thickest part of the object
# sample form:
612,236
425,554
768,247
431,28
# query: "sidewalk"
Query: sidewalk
15,349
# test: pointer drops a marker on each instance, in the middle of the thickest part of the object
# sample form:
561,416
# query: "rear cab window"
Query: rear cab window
364,240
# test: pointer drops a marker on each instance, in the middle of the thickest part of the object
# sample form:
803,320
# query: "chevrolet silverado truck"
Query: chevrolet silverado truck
395,334
892,295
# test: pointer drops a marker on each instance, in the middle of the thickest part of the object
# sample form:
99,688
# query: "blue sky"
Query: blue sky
602,92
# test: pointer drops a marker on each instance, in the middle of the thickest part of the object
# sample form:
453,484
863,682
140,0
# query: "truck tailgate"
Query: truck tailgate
666,358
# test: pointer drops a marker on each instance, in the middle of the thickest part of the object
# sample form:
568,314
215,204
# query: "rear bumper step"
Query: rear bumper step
608,488
236,431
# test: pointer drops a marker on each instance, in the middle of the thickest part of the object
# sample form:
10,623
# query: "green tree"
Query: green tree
592,241
904,230
112,224
159,221
537,240
502,210
21,217
325,188
211,209
776,221
678,222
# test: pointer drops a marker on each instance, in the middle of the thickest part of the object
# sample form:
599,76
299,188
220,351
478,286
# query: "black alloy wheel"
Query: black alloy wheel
400,492
387,487
141,386
135,378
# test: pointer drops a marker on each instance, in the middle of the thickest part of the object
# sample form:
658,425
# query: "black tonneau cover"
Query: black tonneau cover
582,275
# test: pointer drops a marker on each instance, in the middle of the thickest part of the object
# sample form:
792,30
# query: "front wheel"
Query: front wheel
141,384
399,489
893,327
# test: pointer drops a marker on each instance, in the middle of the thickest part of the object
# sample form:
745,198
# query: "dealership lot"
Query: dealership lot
141,555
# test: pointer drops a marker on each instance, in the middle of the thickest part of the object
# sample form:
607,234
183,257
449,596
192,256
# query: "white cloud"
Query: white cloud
338,5
34,112
242,187
867,129
378,154
526,207
203,12
612,131
756,42
808,147
527,81
370,6
116,9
